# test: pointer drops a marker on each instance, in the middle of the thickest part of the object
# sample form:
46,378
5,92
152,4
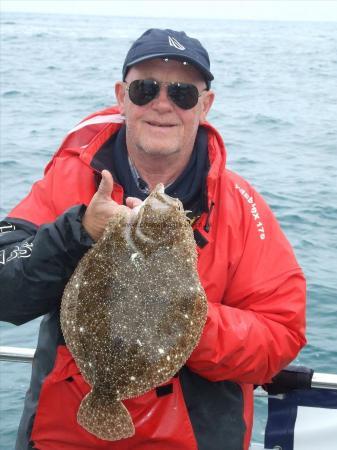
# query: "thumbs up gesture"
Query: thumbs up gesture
102,207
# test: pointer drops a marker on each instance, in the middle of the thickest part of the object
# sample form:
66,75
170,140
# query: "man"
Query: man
254,286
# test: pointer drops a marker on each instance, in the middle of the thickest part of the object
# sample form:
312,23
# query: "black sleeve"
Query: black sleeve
36,263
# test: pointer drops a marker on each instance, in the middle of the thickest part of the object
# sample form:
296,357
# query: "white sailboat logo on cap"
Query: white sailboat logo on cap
174,43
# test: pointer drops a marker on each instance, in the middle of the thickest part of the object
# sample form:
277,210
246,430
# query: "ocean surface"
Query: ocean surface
276,107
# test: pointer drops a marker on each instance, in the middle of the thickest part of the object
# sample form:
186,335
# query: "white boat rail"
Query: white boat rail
19,354
324,381
16,354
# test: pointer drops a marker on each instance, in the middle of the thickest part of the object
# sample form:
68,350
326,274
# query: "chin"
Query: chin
158,150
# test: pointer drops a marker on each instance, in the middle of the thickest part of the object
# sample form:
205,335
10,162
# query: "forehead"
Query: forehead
161,70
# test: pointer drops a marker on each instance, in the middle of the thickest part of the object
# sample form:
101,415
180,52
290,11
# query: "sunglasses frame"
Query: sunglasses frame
168,84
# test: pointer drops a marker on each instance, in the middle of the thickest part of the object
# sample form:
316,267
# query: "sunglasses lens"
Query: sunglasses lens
183,95
142,92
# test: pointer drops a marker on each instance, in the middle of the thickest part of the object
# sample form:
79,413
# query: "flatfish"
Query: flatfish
133,310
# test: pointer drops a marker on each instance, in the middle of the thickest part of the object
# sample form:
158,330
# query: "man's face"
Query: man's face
160,128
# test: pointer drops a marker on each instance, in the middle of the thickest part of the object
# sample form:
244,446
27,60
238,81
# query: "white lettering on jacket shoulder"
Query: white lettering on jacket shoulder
253,210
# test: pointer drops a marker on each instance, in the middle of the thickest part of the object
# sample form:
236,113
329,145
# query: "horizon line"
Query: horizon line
254,19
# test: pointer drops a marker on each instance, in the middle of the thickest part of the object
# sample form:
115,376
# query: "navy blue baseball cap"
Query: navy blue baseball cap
156,43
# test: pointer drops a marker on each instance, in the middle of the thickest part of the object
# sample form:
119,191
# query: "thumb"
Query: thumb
132,202
106,185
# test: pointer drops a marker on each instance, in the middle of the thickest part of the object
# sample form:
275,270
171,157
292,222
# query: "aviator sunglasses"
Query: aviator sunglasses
142,92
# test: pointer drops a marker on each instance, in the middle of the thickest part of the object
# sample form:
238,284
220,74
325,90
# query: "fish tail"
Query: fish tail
107,419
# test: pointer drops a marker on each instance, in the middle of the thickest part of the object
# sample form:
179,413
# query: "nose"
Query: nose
162,102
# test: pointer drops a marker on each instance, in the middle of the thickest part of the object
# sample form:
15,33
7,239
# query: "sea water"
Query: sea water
276,108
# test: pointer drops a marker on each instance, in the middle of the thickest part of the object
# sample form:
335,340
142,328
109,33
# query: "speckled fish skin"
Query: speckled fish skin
133,311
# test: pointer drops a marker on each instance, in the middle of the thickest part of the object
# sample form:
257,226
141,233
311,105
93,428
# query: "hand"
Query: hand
101,207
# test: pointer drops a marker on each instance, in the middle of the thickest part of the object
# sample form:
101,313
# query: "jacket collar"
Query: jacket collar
91,134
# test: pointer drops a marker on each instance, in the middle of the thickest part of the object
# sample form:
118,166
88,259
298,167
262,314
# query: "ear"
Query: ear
120,93
207,100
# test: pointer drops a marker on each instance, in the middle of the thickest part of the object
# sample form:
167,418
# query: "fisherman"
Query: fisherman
255,288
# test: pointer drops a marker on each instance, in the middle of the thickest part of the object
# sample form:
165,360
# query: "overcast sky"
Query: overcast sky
224,9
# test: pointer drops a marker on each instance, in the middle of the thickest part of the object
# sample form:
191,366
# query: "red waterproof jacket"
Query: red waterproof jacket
255,322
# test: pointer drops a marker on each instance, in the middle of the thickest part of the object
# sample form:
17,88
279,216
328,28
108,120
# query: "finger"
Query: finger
132,202
106,185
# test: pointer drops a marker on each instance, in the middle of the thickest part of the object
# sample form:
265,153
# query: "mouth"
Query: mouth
160,124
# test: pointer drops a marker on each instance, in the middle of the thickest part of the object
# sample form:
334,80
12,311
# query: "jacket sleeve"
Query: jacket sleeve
258,327
36,263
40,247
